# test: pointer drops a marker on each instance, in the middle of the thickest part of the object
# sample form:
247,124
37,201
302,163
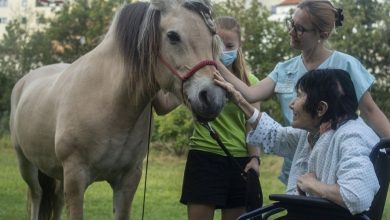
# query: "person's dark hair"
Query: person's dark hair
333,86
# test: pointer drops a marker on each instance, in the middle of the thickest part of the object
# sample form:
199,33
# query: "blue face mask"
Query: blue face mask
228,57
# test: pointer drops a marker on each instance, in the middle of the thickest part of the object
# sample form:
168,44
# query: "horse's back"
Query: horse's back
34,80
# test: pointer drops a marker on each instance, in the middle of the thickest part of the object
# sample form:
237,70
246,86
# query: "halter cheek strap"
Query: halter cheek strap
191,72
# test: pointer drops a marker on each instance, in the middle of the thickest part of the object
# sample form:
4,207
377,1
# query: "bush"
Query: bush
5,142
172,131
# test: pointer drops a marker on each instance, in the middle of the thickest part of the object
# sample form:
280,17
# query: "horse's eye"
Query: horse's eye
173,37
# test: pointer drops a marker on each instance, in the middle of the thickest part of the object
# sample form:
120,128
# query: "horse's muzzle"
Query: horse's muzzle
211,102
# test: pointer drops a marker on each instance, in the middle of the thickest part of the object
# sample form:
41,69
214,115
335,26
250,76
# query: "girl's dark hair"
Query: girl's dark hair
333,86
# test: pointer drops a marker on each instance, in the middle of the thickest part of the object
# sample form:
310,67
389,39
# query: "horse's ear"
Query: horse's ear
162,5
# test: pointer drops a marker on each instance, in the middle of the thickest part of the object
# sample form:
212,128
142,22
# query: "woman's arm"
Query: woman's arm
288,137
308,183
237,98
355,180
259,92
374,116
165,102
253,151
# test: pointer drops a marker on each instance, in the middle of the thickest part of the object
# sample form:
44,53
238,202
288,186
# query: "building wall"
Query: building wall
282,12
27,11
270,4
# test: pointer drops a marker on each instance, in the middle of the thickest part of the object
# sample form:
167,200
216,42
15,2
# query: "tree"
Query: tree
11,66
173,130
79,27
74,31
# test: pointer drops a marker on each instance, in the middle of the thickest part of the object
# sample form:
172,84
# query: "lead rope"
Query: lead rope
250,203
215,136
147,161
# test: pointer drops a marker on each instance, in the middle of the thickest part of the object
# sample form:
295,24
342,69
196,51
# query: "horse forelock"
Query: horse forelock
203,9
137,34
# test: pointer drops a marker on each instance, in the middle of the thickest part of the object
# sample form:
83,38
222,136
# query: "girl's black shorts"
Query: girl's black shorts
213,179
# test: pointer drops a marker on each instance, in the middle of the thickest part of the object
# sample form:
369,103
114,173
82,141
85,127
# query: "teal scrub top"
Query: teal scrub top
287,73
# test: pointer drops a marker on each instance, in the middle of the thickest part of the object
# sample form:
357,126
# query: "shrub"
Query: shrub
172,131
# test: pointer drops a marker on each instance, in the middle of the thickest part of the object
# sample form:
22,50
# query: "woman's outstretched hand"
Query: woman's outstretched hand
233,94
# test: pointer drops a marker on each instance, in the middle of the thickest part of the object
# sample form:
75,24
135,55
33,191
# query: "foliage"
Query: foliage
173,130
71,33
12,60
79,27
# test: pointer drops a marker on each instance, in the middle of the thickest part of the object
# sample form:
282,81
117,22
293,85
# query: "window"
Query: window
3,20
24,3
3,3
46,3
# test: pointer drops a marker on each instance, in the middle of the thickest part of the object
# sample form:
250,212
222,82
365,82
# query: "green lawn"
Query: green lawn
163,190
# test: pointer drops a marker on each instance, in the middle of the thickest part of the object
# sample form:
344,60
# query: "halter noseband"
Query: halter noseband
190,72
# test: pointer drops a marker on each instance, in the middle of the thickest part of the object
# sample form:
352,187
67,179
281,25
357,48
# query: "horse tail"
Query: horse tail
48,199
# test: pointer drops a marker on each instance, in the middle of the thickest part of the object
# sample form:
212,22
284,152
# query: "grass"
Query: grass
164,181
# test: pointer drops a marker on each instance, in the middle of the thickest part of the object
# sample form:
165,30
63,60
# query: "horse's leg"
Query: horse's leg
124,188
75,184
59,200
29,174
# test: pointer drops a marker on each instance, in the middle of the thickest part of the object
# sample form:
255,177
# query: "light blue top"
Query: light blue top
287,73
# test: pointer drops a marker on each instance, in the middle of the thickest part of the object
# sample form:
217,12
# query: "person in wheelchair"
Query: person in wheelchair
330,142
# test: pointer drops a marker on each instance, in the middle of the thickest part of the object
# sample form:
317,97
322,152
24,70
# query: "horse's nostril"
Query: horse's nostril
203,97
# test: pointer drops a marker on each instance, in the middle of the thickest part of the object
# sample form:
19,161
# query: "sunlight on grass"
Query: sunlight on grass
164,181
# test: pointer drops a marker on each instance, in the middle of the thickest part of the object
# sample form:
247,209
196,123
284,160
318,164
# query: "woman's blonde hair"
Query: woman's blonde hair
239,65
324,16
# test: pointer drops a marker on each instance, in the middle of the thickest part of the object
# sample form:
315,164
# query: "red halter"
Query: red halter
191,72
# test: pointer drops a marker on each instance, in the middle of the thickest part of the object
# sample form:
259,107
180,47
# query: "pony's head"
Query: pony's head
173,49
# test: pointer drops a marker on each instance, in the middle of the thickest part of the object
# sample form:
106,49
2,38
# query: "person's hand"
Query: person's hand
306,183
254,164
233,94
220,67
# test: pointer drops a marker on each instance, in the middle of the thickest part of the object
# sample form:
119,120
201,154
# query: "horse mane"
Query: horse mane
137,32
139,54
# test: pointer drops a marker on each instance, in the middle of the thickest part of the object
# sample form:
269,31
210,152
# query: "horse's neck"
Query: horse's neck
113,74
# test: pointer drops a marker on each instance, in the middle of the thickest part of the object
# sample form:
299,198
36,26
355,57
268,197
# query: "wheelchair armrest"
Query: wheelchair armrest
302,207
305,201
313,206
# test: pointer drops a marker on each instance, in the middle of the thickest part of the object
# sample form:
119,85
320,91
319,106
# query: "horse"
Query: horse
75,124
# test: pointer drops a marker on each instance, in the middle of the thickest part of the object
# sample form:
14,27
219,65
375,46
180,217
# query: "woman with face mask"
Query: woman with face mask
211,180
309,29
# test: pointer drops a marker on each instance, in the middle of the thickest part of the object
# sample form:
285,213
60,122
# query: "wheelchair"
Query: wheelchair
294,207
